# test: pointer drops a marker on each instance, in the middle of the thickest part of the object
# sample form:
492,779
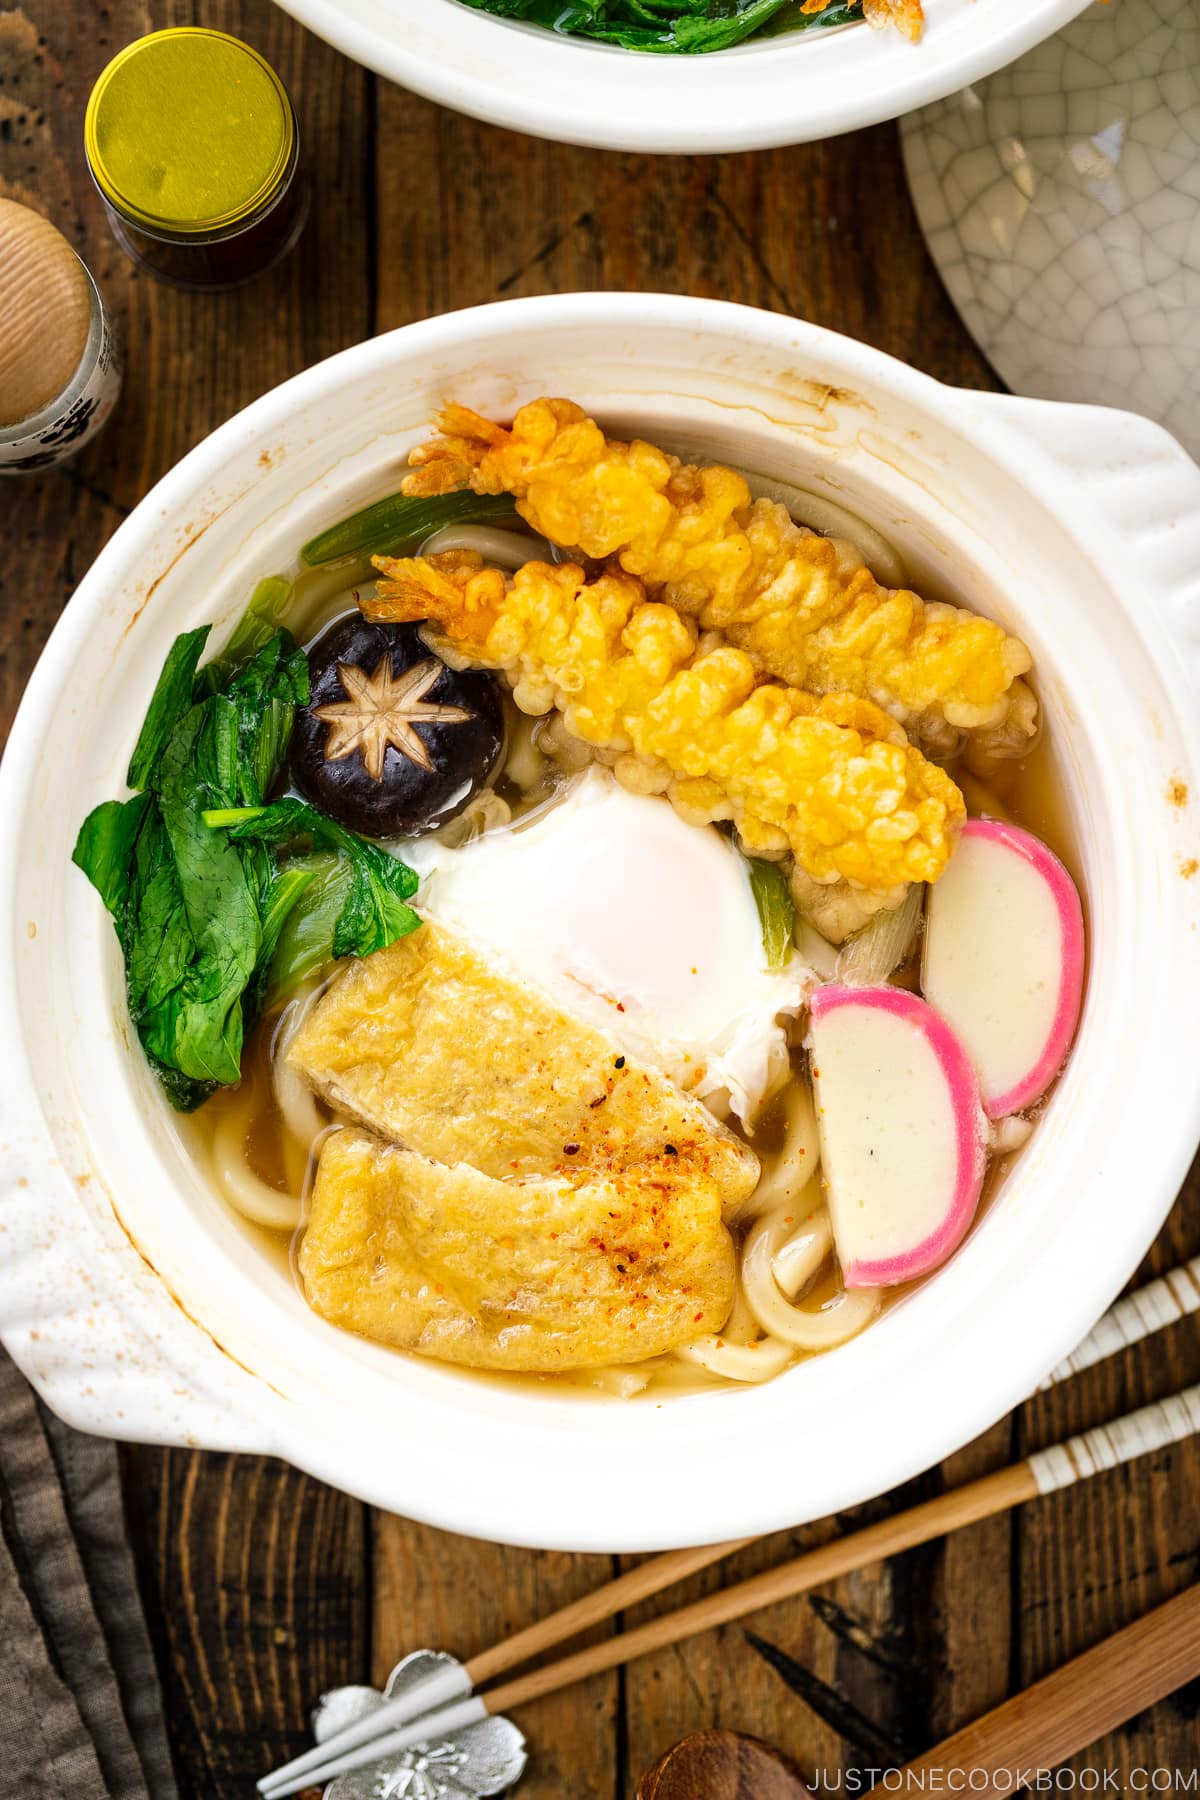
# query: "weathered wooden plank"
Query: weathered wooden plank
469,213
461,1595
255,1578
1093,1558
427,212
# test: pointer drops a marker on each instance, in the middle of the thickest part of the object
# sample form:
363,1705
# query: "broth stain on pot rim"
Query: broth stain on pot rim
164,1286
192,537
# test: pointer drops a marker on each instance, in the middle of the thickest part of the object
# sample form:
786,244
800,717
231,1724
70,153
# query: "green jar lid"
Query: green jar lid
189,132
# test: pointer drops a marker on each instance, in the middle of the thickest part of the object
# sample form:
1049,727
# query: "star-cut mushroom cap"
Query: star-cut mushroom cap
382,711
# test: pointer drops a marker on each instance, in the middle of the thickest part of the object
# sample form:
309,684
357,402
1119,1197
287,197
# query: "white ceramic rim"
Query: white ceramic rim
777,91
1034,444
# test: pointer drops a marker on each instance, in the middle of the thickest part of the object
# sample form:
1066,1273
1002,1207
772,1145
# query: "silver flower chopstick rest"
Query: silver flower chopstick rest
482,1759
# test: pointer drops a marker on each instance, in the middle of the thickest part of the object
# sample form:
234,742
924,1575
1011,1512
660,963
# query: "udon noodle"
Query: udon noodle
262,1138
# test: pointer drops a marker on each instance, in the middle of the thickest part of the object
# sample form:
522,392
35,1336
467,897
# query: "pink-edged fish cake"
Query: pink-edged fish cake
1004,960
903,1134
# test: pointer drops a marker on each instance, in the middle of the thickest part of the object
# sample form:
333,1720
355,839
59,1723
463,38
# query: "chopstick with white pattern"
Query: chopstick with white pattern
449,1701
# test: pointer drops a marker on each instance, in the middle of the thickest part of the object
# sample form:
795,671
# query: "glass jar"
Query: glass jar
192,141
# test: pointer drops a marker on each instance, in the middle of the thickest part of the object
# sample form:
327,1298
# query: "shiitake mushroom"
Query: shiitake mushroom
392,742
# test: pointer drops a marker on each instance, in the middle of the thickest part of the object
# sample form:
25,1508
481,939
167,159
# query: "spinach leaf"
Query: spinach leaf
171,699
198,1028
306,939
252,632
104,848
200,912
265,694
373,912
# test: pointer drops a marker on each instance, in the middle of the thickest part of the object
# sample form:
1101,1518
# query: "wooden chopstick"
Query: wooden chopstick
1077,1459
1152,1307
1139,1315
1069,1709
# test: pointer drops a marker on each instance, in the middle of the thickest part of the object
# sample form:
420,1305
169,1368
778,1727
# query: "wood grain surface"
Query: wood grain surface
262,1586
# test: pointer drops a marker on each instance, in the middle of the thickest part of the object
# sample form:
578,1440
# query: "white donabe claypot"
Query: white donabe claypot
137,1304
790,89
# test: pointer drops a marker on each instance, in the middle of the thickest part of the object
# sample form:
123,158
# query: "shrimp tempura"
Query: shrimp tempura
833,779
804,608
908,16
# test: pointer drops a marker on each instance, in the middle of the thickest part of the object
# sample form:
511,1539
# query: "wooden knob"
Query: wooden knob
722,1765
45,312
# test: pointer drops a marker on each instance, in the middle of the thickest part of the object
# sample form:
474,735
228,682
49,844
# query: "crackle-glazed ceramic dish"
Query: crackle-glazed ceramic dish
140,1308
1061,202
783,90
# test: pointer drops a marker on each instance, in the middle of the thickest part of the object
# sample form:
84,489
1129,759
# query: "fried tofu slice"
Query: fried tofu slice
831,778
534,1276
800,608
434,1048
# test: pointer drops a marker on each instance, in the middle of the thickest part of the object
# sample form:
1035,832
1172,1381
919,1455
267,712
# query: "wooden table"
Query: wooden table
262,1586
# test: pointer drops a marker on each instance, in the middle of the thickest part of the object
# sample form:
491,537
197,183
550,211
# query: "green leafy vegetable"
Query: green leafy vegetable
253,631
201,911
306,939
679,26
776,910
172,697
398,525
373,913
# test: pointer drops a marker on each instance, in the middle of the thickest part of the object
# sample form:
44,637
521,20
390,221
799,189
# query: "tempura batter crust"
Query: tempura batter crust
800,609
831,778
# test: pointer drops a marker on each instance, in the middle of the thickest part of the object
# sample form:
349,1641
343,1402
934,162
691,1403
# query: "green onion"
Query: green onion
400,524
776,910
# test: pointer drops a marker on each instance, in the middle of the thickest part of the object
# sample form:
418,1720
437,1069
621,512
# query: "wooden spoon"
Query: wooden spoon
722,1765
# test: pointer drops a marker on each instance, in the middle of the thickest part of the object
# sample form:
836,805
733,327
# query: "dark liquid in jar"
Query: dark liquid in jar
222,260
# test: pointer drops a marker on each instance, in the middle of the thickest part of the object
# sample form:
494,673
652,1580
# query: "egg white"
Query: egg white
632,918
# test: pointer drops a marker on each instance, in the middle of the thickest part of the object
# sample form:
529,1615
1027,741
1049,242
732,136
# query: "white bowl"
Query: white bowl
140,1308
785,90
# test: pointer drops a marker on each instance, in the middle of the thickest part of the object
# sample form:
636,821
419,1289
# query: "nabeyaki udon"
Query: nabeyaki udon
533,1070
712,651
